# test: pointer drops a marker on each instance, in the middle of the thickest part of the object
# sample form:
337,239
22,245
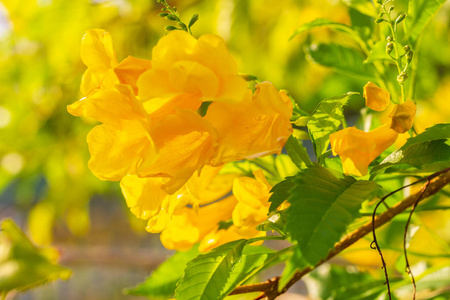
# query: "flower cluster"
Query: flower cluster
167,125
357,148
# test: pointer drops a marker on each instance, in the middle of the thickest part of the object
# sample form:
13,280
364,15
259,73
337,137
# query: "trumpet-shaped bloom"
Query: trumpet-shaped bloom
253,203
188,227
376,98
403,116
358,149
182,64
147,199
257,126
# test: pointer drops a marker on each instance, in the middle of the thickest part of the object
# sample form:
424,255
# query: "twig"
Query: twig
408,267
348,240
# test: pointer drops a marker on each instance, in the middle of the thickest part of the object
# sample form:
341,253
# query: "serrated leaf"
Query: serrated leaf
163,281
428,148
322,206
335,282
207,275
318,23
363,6
297,152
280,193
342,59
251,264
436,132
24,265
420,13
326,119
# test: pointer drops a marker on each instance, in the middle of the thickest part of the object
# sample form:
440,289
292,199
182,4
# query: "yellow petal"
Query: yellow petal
97,78
129,70
376,98
185,142
358,149
97,49
188,227
182,64
192,77
119,149
253,128
253,196
403,116
144,196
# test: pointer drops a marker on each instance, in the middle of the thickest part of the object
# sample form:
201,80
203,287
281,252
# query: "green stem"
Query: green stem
398,59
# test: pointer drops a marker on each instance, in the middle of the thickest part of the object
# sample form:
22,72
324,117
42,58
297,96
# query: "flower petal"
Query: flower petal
376,98
403,116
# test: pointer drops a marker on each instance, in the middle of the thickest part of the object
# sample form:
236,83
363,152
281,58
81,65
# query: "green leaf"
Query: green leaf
289,271
336,282
253,261
297,152
276,222
426,149
436,132
363,6
280,193
162,282
345,60
23,265
318,23
326,119
207,275
322,206
420,12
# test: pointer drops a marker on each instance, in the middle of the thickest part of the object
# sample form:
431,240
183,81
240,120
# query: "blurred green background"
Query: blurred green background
45,185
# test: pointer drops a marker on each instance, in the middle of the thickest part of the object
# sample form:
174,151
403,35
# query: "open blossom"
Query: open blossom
148,110
376,98
403,116
193,213
358,149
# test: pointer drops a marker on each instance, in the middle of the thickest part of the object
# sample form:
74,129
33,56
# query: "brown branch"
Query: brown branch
268,287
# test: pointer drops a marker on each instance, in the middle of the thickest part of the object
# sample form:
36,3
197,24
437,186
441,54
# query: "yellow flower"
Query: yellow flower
376,98
257,126
147,199
122,142
148,110
358,149
253,196
188,227
403,116
103,71
182,64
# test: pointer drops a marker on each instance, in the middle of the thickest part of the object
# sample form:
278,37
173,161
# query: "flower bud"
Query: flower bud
379,20
402,77
391,8
407,48
389,48
409,56
400,18
389,39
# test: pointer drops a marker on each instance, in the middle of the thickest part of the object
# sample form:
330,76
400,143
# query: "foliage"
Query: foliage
23,265
199,149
